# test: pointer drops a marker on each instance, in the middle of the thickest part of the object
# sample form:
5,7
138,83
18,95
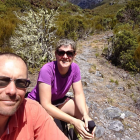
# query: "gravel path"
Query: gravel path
112,94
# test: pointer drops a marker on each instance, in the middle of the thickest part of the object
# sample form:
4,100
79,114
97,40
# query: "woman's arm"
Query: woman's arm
80,101
45,100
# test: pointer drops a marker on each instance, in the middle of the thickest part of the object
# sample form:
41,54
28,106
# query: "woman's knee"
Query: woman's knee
70,108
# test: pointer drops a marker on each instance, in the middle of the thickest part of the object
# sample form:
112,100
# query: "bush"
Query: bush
71,26
130,12
7,27
69,7
137,56
2,7
17,3
35,39
124,47
122,27
6,49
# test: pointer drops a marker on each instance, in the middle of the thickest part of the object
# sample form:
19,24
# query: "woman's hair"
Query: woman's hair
66,42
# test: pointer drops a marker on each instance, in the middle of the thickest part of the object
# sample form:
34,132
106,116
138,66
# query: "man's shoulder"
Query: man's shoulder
33,108
32,104
30,101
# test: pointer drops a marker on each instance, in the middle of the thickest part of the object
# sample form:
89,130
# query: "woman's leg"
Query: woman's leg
71,108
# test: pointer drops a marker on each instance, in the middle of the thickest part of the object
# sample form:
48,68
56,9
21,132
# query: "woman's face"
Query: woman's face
65,56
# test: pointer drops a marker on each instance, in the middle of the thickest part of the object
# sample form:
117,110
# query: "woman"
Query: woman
54,81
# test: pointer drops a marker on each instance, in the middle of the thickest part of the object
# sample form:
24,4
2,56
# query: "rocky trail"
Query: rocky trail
112,94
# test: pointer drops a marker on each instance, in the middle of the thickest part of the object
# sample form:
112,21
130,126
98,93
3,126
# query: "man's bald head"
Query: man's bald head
12,56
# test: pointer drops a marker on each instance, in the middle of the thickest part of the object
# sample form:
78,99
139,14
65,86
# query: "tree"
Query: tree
34,37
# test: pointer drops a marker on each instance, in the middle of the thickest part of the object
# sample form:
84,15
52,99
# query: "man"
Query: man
21,119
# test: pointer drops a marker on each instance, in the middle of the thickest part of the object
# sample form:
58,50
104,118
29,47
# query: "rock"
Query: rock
138,103
99,132
116,126
118,134
69,94
97,73
130,114
122,116
112,112
121,88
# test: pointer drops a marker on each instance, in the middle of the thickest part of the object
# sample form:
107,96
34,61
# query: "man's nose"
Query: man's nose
11,88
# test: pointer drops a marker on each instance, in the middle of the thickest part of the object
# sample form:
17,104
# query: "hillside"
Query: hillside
92,4
31,28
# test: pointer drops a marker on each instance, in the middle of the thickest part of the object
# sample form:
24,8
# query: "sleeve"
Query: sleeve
45,128
76,73
45,74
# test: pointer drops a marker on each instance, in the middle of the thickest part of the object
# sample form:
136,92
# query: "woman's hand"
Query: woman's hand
80,127
86,119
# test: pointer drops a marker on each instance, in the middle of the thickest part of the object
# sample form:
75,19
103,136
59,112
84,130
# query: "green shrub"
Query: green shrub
69,7
116,82
111,80
137,56
130,12
73,35
105,50
7,27
17,3
70,26
122,27
3,8
124,47
6,49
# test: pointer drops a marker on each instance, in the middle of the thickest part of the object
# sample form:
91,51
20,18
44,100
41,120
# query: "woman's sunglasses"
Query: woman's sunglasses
20,83
69,53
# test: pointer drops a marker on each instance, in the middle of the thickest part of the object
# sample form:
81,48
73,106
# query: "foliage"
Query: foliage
17,3
71,26
107,9
35,31
122,27
34,38
137,56
130,13
6,49
109,21
69,7
88,11
7,27
123,50
2,7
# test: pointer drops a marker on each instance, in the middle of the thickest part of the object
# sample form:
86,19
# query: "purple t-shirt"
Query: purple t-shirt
60,85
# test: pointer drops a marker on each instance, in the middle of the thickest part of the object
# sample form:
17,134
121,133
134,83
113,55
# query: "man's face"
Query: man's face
10,96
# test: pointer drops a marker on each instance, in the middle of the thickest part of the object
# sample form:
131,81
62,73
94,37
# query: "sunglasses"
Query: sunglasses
69,53
20,83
